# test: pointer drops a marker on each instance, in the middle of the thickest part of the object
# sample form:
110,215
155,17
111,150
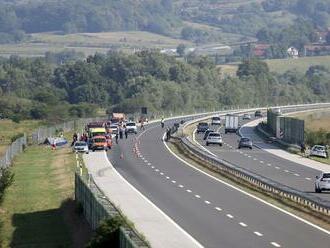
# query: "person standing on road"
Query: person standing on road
126,132
120,132
116,138
142,125
162,123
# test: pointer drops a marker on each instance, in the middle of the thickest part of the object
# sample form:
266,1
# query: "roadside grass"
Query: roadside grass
317,120
9,129
38,209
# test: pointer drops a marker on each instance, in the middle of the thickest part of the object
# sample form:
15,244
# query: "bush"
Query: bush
107,234
16,136
6,179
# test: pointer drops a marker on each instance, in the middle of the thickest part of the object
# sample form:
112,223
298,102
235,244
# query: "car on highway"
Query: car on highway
322,182
207,133
214,138
216,120
131,127
246,117
80,146
202,127
319,151
245,142
258,113
113,129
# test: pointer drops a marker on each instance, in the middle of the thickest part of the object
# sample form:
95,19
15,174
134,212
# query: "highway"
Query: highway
214,213
263,163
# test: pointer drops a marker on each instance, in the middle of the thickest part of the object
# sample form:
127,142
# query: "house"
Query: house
260,50
316,50
293,52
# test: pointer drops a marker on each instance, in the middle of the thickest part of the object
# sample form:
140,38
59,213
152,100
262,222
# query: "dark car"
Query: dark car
202,127
258,113
245,142
207,133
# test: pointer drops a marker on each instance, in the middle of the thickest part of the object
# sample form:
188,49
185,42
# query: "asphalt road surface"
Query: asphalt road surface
263,163
213,212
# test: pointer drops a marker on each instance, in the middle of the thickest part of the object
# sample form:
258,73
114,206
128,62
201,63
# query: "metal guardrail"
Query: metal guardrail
96,207
279,190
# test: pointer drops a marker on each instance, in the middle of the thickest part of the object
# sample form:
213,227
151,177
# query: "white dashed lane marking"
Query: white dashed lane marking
207,202
275,244
269,164
188,190
180,186
167,177
197,196
258,234
230,216
243,224
162,173
307,178
296,174
173,181
218,209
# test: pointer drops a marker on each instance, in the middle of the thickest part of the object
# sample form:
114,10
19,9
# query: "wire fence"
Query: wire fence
96,207
15,148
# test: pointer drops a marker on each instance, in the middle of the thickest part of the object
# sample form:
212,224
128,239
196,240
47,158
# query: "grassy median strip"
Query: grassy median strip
38,209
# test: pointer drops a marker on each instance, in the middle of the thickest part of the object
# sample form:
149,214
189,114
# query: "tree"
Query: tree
252,67
181,49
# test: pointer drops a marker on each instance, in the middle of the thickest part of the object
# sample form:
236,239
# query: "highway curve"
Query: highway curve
216,214
263,163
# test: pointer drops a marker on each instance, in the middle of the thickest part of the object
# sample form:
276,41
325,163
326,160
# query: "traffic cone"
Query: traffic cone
121,156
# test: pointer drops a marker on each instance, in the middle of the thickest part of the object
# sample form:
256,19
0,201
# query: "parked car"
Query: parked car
202,127
216,120
245,142
131,127
207,133
80,146
322,182
246,117
319,151
214,138
258,113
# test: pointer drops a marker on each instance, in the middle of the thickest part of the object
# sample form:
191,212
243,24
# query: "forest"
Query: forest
36,88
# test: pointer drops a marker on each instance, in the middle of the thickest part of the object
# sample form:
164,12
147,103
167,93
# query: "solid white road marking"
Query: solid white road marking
243,224
258,234
275,244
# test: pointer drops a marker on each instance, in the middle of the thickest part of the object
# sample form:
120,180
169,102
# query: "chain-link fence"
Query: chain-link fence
96,207
42,133
15,148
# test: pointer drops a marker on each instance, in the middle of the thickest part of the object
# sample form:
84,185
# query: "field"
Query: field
38,209
300,64
9,129
316,120
283,65
89,43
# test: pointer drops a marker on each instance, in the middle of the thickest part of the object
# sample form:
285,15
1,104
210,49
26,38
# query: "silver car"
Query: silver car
214,138
322,182
245,142
246,117
80,146
319,151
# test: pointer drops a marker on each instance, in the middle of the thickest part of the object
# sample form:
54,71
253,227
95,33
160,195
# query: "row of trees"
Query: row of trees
73,16
34,88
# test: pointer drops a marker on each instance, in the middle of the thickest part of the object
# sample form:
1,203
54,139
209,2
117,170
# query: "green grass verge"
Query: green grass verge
9,129
38,209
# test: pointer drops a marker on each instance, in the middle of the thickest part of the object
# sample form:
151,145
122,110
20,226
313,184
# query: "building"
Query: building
293,52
